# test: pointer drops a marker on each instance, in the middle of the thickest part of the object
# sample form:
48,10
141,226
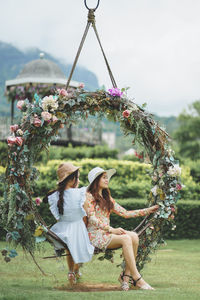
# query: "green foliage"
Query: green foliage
187,220
131,179
76,153
188,133
3,154
40,124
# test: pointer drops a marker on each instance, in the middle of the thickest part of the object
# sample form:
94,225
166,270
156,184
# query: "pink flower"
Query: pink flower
14,128
11,140
46,115
15,153
126,113
20,104
81,85
18,141
38,201
54,119
115,92
172,209
63,92
37,122
179,186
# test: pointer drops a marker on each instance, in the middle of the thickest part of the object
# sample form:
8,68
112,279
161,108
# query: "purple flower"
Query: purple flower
115,92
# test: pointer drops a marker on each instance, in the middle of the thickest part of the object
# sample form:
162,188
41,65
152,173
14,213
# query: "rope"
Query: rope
91,21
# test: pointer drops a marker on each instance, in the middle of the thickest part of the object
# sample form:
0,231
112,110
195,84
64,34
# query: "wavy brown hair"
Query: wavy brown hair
105,201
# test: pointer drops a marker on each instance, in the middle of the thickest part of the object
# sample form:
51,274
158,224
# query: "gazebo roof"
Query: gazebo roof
41,71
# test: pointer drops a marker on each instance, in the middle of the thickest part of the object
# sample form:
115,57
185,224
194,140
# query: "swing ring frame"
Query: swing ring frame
85,1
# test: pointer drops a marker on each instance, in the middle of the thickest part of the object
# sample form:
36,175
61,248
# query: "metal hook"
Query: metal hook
85,1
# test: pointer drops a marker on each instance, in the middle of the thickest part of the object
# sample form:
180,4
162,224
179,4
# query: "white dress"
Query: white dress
70,226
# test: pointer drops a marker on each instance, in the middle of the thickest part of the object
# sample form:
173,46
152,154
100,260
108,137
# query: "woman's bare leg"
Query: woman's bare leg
135,243
70,261
125,241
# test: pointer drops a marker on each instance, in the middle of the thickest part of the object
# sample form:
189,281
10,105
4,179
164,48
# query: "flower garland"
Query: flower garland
39,125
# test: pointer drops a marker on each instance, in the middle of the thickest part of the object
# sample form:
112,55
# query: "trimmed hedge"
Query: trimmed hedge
131,179
187,220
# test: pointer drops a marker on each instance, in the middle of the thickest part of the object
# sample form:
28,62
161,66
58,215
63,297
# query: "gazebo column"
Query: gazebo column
12,110
69,133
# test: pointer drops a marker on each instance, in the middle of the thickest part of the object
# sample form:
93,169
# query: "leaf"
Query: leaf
40,239
13,253
15,235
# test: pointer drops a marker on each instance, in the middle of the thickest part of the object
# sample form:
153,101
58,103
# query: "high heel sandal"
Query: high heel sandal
71,278
78,274
124,284
145,286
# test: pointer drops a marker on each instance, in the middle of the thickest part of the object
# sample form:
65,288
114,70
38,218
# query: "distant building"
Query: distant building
109,138
38,76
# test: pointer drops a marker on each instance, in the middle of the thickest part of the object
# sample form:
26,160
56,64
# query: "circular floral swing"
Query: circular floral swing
39,125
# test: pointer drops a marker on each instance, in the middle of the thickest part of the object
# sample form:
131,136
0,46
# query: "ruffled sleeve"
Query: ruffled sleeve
83,198
53,200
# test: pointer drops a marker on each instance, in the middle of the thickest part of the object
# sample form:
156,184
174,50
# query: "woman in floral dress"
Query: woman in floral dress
99,206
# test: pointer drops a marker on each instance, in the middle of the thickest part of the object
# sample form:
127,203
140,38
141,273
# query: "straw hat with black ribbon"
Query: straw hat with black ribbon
64,170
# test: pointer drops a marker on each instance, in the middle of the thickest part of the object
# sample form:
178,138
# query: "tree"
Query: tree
188,133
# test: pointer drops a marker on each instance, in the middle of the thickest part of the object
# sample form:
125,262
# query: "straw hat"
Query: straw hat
64,170
94,173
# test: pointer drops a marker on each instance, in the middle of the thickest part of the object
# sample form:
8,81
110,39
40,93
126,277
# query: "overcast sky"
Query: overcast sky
153,46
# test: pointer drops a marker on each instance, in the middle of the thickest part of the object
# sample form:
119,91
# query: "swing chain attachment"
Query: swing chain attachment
91,22
85,1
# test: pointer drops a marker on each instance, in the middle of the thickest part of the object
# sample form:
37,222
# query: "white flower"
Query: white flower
49,103
174,171
20,132
154,190
134,107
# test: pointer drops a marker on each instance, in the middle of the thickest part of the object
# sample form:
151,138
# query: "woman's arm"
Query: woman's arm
90,210
119,210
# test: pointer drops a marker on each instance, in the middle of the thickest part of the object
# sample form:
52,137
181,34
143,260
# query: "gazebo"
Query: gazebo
38,76
41,76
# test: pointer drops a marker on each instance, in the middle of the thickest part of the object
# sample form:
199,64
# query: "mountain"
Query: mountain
12,60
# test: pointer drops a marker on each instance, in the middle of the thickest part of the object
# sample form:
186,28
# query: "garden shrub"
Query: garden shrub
3,154
131,179
187,220
77,153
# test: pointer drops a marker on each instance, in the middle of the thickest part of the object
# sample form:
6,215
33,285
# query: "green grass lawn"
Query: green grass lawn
174,272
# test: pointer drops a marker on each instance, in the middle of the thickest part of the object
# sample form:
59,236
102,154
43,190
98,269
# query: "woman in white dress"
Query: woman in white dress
66,205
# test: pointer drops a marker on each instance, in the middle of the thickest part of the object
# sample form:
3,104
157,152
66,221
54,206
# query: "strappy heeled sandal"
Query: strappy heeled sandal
145,286
71,278
124,284
78,274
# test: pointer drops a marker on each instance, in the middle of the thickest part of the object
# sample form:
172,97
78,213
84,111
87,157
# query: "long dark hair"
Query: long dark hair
103,201
61,189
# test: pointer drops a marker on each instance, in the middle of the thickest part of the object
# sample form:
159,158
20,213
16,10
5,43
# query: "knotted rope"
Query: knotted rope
91,21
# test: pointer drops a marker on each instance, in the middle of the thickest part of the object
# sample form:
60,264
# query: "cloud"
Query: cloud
152,46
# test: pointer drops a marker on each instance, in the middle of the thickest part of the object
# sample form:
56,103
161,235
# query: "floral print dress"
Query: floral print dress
99,221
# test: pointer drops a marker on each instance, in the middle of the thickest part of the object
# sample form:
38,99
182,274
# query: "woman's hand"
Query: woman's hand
153,209
118,231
